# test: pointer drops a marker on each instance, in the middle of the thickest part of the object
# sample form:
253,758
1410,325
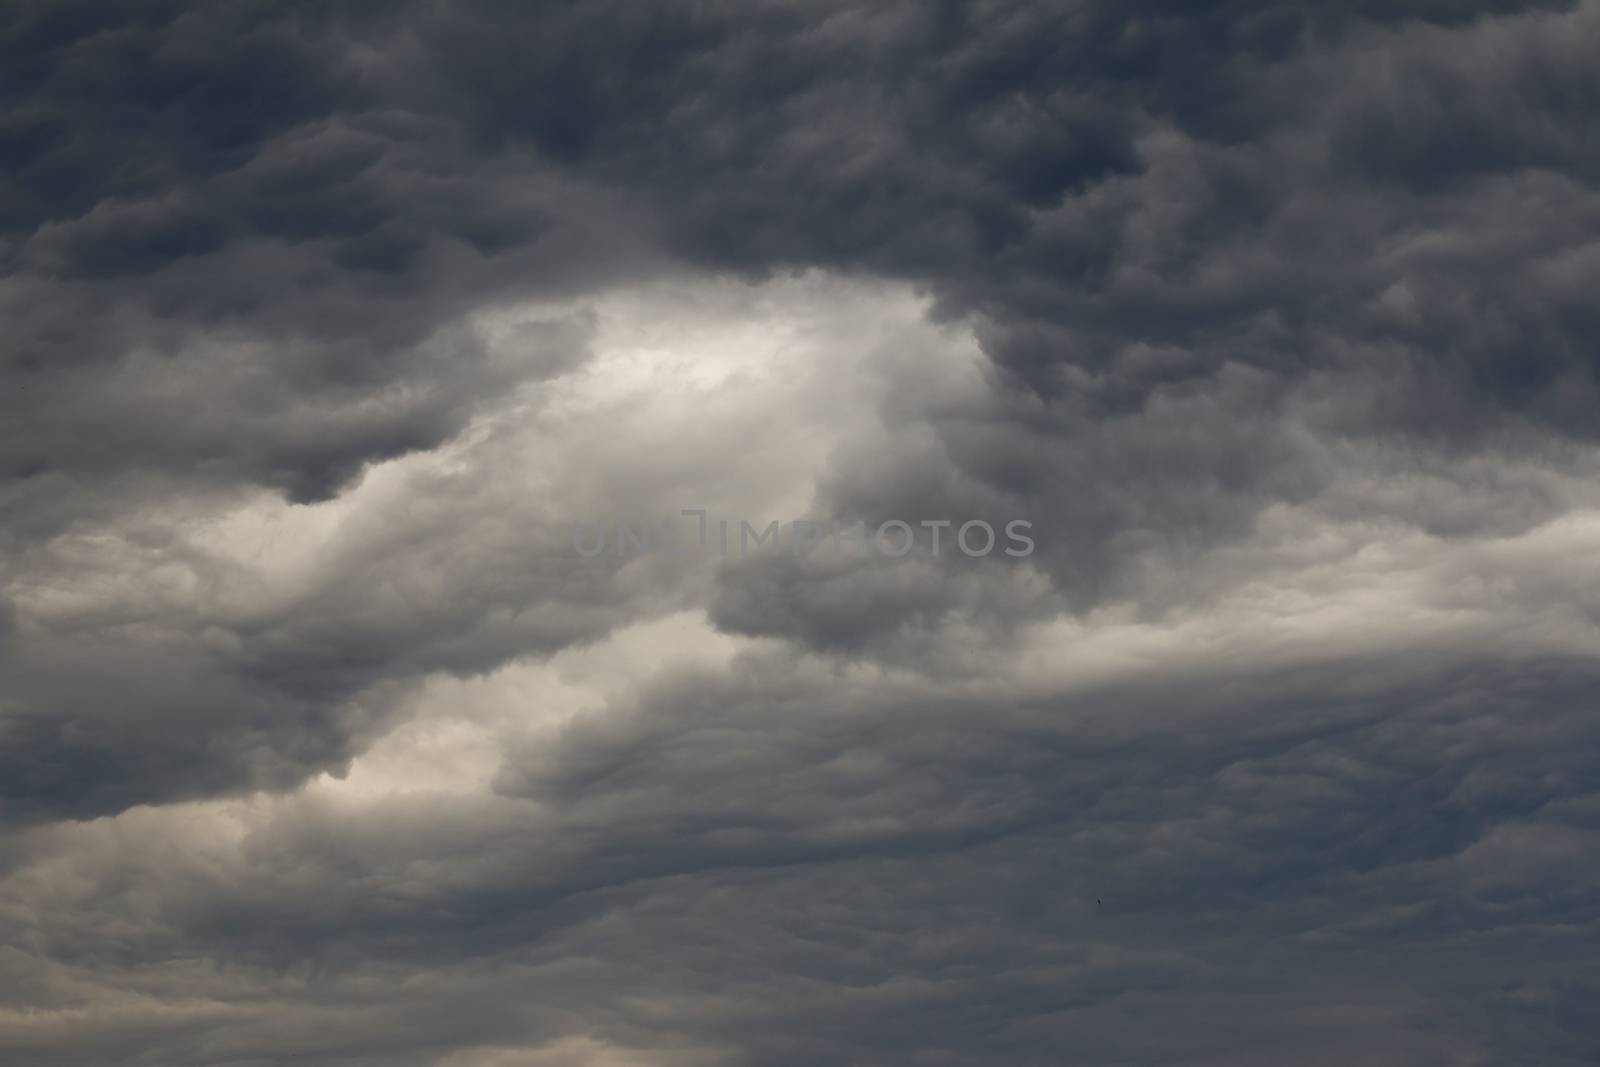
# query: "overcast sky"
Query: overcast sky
341,726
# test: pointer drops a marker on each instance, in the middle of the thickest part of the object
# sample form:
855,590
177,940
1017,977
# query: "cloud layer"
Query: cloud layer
332,326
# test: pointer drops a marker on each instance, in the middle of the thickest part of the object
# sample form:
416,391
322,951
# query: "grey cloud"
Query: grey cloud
789,869
254,687
236,178
1275,298
1223,238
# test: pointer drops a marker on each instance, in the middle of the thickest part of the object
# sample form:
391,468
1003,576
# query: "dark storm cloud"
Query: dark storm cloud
1392,202
253,683
1131,198
801,871
1241,184
346,179
1360,230
249,184
1284,304
235,255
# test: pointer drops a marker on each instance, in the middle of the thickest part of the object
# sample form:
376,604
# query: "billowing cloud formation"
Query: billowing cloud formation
333,327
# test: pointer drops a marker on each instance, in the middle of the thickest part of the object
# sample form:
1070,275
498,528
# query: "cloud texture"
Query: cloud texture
330,328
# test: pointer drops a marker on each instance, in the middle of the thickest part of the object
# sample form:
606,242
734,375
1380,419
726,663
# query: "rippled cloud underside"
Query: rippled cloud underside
493,567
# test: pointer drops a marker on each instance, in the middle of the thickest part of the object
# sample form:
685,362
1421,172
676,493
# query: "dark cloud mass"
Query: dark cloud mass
328,324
